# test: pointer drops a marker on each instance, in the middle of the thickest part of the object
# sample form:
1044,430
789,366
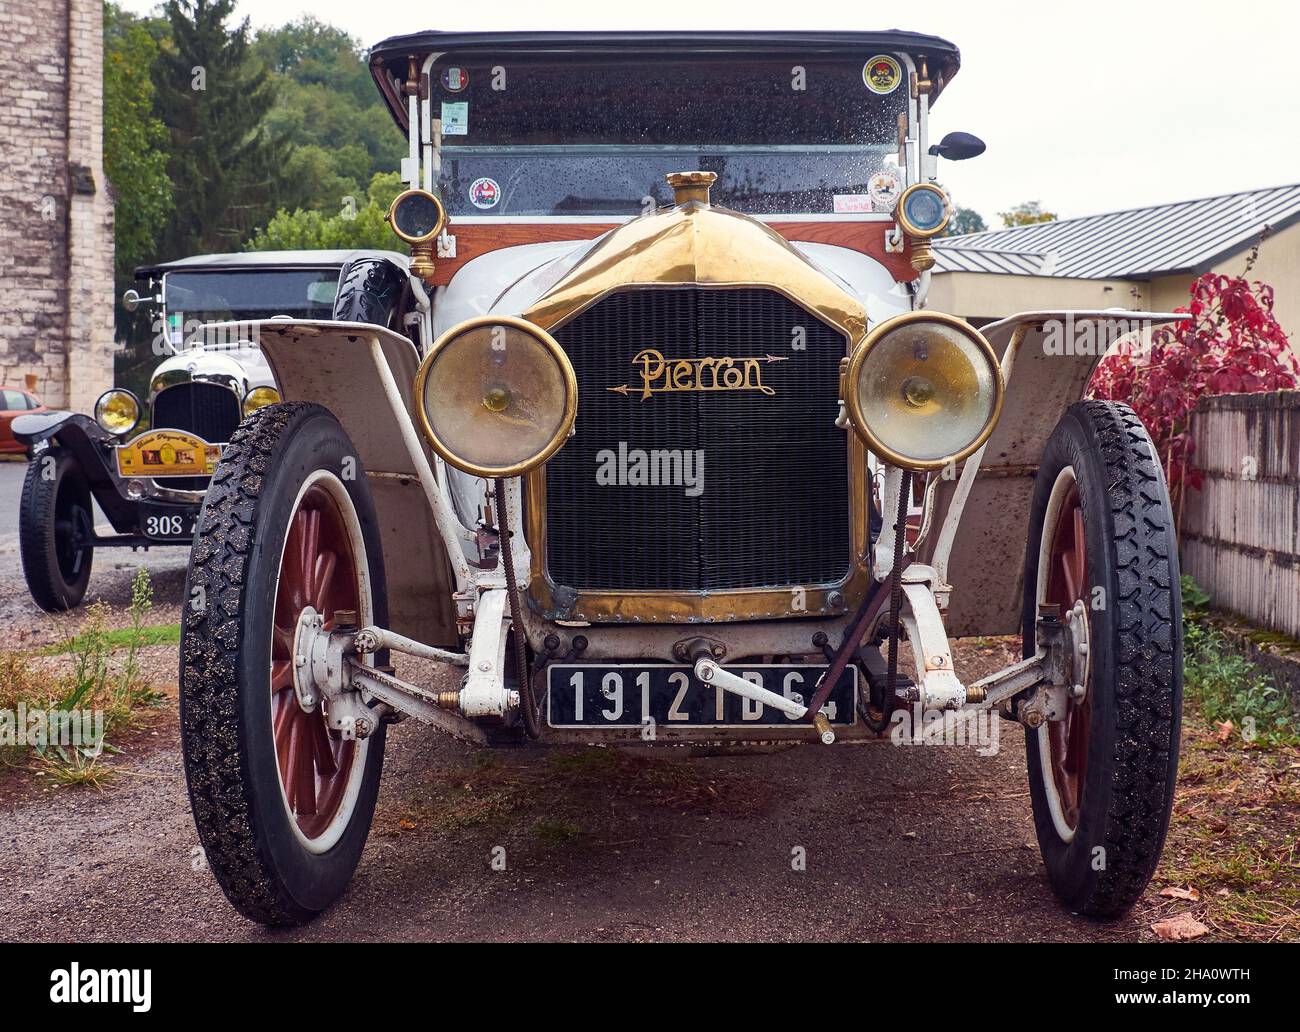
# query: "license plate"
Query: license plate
619,695
168,453
166,524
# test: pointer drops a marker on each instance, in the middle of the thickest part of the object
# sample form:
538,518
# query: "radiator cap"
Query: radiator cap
691,186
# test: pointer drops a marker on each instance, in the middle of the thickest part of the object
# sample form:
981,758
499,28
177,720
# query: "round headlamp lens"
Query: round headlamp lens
498,396
417,216
259,397
925,391
923,210
117,411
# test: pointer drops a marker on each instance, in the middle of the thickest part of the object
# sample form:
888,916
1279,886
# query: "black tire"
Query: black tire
56,523
250,839
370,291
1135,654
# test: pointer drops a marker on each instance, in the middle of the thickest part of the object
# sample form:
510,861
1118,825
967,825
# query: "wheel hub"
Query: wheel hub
310,659
1076,639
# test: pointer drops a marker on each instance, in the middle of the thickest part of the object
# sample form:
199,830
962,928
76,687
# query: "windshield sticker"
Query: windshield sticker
455,118
454,79
484,193
883,188
851,204
882,74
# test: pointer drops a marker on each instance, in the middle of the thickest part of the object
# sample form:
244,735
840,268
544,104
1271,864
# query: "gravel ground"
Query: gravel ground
900,843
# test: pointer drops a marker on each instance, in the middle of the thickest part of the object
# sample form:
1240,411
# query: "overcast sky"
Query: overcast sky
1086,107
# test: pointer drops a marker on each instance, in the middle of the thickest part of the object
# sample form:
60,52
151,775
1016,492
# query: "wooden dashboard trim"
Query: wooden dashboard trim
474,239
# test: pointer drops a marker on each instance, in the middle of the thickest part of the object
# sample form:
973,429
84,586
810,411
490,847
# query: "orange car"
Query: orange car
14,402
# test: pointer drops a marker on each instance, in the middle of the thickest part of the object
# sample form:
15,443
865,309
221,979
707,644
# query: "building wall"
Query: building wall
977,295
56,208
1278,266
986,295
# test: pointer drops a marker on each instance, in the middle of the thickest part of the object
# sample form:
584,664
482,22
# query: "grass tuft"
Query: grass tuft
99,697
1226,686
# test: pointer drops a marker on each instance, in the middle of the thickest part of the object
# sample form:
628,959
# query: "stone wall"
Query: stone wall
56,206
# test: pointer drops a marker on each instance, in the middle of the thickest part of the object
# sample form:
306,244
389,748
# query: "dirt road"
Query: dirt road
897,843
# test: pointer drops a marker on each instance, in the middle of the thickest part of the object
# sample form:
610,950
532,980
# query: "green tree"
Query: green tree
965,220
309,51
318,179
212,95
1026,214
363,228
135,142
325,100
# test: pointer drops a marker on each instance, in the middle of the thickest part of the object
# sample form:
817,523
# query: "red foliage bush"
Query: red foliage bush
1232,344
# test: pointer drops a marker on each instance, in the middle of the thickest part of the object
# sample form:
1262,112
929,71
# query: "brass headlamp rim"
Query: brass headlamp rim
425,238
858,419
134,401
570,396
900,211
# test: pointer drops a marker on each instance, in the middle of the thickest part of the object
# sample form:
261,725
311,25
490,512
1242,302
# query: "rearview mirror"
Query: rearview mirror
131,300
958,147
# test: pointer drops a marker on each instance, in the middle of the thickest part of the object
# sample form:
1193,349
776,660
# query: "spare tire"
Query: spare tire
371,291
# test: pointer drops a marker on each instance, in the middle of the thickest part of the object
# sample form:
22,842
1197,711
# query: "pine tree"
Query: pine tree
211,94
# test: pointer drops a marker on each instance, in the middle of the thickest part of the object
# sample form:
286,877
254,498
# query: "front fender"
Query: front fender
350,369
1048,371
92,446
31,430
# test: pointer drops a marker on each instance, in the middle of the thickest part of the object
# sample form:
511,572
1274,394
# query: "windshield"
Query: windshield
194,298
596,136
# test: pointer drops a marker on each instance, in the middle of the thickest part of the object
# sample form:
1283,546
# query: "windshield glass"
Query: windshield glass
245,295
595,136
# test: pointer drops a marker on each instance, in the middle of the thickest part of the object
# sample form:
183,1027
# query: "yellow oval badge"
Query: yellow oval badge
882,74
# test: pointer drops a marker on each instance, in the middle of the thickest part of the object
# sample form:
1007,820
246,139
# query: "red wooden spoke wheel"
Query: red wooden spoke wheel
1102,555
287,541
318,569
1064,582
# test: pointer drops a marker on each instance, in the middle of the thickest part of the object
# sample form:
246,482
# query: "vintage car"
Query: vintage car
150,485
15,402
641,470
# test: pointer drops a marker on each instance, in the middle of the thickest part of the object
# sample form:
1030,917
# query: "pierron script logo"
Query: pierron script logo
661,375
103,985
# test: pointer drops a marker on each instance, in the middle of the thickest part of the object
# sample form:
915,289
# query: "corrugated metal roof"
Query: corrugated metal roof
1187,236
977,259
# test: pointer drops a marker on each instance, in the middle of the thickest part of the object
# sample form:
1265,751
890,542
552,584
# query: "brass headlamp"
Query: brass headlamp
923,390
496,396
117,410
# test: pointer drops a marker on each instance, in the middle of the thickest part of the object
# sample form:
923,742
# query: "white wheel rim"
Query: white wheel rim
1065,480
329,837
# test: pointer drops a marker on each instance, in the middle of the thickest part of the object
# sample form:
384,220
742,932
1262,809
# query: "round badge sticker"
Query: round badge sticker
883,190
454,79
882,74
484,193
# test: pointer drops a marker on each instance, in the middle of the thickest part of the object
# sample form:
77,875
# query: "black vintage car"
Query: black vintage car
150,483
